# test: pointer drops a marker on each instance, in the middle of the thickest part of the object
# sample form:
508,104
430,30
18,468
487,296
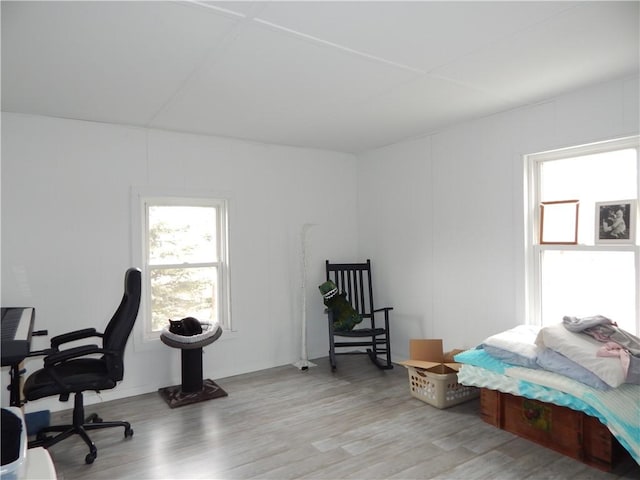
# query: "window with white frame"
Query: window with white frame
594,272
185,261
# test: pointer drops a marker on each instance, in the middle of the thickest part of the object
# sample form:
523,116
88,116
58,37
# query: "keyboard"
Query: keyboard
16,329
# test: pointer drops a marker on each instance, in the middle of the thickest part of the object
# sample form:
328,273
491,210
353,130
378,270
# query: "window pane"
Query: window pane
583,283
183,292
594,178
182,234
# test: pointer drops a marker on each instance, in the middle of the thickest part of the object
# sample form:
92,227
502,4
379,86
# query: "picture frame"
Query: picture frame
616,222
559,222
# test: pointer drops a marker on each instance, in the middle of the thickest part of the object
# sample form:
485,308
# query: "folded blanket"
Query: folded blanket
578,324
604,330
617,342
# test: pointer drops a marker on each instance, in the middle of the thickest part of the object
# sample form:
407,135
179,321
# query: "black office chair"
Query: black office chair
77,369
370,337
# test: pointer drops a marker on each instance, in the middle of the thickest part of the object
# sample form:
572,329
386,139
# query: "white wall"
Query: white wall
442,217
66,236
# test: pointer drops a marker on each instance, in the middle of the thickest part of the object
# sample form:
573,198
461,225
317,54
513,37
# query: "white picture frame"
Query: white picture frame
616,222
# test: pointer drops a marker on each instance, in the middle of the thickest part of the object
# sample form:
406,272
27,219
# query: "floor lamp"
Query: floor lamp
304,363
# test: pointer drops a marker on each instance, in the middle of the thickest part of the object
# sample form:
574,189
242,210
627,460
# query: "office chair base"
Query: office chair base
46,441
80,427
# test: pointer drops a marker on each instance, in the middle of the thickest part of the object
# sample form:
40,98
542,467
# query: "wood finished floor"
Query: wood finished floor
282,423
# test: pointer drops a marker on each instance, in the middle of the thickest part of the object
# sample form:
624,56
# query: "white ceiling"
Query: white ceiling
345,76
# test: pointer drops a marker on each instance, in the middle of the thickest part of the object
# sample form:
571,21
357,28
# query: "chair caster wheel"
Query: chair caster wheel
89,459
93,418
128,432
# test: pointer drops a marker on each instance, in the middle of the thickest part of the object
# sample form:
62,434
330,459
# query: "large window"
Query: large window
591,276
184,256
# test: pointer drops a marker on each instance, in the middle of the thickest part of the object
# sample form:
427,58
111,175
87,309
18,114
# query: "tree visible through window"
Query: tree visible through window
185,257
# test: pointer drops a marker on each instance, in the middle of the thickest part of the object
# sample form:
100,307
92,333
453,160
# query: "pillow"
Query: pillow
583,350
509,357
556,362
516,346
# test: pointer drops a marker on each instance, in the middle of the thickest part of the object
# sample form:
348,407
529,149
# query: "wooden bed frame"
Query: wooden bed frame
567,431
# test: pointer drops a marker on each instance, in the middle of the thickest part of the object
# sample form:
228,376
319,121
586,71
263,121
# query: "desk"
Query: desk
17,328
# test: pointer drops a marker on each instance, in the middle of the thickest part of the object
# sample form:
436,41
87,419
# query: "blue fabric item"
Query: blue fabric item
550,395
509,357
36,421
625,429
479,358
553,361
633,375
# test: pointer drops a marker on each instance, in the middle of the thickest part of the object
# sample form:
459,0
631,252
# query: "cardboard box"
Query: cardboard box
433,375
427,354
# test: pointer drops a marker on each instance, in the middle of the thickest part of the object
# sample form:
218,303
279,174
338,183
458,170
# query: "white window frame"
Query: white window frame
534,250
141,199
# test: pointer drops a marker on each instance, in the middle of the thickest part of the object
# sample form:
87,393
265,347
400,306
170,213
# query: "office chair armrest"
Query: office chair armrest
75,335
70,353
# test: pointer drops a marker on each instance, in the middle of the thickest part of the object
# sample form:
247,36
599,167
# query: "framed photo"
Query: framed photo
559,222
616,222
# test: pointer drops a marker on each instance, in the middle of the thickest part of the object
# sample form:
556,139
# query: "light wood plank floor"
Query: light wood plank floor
282,423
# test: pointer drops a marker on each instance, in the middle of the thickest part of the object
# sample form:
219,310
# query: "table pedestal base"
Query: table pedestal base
176,397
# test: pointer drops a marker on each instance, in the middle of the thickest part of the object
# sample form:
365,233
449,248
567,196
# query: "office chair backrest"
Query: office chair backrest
121,324
355,280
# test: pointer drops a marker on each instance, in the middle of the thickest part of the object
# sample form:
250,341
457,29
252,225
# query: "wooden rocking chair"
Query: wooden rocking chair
371,337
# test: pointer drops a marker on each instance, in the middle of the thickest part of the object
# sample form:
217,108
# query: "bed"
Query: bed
590,414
